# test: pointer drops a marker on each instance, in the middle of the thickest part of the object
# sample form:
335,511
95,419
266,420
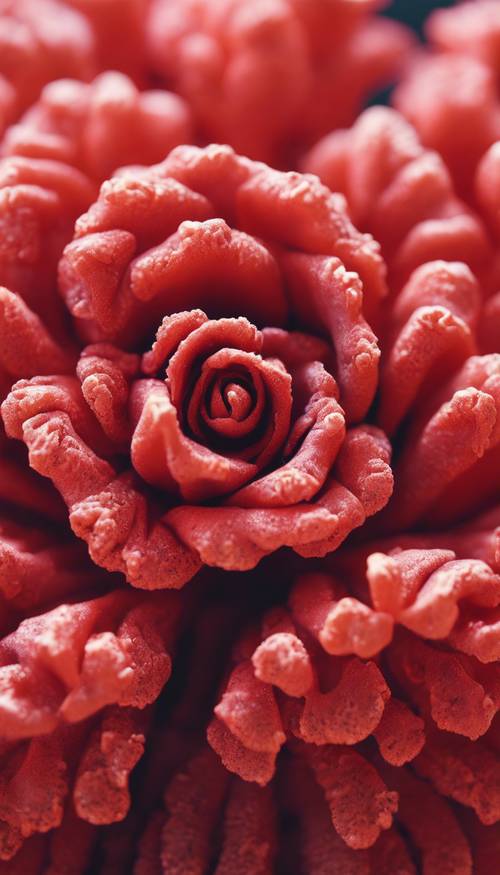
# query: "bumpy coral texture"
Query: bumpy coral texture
77,682
208,362
269,77
403,194
384,690
452,92
100,126
223,441
40,40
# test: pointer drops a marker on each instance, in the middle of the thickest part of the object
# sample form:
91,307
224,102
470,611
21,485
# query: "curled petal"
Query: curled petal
348,713
464,120
101,791
249,711
35,50
432,826
359,802
432,343
37,781
435,609
319,843
466,772
343,625
164,456
478,634
472,29
447,284
400,734
435,457
26,346
107,512
274,77
209,264
250,765
114,523
78,658
334,303
363,466
458,702
283,661
100,126
447,686
147,205
400,191
237,538
396,579
104,373
301,478
39,202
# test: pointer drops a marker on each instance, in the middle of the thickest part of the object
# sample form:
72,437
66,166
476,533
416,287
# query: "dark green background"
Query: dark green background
414,12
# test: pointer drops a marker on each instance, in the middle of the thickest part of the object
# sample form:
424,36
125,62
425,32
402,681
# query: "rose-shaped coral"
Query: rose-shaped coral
40,40
241,432
190,376
270,77
100,126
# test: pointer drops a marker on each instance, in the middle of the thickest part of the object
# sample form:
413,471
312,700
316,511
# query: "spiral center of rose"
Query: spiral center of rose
231,398
226,405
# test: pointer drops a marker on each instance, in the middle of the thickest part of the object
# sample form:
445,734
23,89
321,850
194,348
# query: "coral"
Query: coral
276,390
39,202
272,77
361,677
100,126
107,656
460,115
401,192
246,432
118,28
40,40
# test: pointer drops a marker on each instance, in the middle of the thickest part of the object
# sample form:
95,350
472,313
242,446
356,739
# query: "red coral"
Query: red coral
408,657
100,126
487,190
431,384
94,765
401,192
118,28
250,418
39,202
190,375
40,40
271,77
460,115
57,670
